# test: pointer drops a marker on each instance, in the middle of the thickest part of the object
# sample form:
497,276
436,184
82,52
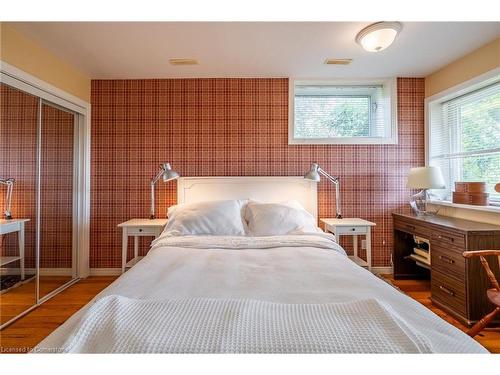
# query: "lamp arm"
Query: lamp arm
336,181
8,200
157,177
153,182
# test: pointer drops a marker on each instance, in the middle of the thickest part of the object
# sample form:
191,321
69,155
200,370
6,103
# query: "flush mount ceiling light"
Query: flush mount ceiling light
378,36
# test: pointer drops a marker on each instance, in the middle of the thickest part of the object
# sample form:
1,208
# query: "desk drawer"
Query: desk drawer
412,228
143,231
448,261
351,230
449,291
448,238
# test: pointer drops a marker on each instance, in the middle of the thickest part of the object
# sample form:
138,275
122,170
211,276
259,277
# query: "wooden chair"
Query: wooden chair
492,294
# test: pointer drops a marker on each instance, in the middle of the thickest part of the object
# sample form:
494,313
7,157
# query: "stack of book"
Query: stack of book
421,252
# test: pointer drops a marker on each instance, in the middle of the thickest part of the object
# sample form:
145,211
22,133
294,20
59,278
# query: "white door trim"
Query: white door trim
24,81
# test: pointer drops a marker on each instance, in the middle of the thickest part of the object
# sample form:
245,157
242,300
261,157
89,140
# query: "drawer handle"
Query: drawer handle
353,229
446,259
447,291
140,230
451,239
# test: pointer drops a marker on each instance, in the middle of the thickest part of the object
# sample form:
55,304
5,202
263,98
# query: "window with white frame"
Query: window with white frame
327,112
464,137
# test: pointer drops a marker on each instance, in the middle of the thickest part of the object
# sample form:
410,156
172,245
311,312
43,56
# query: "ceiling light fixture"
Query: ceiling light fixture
378,36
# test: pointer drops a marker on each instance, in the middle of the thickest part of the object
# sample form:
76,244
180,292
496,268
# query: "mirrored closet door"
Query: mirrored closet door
57,138
39,143
18,172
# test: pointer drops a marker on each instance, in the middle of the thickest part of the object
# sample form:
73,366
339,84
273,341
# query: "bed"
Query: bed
285,293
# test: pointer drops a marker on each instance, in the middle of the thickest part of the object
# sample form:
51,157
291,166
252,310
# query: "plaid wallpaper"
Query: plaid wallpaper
18,128
233,127
56,216
18,124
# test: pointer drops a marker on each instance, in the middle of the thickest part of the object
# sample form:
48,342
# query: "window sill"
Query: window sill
489,208
344,141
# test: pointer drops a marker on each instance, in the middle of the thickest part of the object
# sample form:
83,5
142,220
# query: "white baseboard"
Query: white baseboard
56,272
105,271
382,270
43,271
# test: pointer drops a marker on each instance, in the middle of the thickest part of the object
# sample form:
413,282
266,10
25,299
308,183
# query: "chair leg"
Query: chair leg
479,326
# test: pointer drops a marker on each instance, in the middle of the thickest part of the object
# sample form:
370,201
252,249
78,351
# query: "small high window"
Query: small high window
325,112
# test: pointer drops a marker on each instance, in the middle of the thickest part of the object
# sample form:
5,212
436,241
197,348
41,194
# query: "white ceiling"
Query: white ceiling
255,49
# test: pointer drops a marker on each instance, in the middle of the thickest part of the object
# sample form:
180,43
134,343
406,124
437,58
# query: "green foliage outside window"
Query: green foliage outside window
480,130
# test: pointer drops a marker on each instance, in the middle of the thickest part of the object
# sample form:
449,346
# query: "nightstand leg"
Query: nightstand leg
136,246
124,249
369,248
21,249
355,245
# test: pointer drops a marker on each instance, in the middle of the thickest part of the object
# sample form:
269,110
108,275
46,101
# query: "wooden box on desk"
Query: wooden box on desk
458,286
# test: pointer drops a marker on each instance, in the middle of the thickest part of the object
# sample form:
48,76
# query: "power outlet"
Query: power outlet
363,244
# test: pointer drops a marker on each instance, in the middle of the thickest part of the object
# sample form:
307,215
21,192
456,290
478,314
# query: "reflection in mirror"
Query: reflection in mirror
18,136
56,198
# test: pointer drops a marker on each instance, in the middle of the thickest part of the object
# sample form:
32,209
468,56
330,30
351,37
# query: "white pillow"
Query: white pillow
274,219
217,218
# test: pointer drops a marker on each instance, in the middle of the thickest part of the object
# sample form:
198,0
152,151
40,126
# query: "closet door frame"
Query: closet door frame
75,229
23,81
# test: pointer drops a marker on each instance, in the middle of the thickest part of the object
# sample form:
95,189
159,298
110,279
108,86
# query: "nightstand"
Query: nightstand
138,228
11,226
353,227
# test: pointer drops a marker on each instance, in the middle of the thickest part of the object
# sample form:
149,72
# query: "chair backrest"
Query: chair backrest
481,254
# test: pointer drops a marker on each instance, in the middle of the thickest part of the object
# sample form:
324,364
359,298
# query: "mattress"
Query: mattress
293,269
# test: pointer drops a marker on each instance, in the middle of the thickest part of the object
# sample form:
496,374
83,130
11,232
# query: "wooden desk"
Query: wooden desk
458,285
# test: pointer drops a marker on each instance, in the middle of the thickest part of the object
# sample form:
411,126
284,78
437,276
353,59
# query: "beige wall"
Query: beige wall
22,52
475,63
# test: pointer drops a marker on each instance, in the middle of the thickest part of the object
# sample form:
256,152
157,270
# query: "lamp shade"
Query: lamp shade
425,178
313,174
169,173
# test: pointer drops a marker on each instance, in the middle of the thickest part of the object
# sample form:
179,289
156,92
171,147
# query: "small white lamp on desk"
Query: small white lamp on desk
424,178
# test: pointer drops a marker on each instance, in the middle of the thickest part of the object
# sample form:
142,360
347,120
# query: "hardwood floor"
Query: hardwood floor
16,300
28,331
420,290
25,333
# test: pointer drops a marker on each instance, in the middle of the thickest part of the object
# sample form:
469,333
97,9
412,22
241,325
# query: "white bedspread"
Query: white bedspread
292,270
116,324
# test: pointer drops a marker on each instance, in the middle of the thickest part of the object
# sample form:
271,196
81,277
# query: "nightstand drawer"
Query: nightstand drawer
351,230
143,231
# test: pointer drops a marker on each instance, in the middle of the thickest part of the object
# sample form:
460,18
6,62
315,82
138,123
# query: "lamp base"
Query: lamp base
418,203
151,217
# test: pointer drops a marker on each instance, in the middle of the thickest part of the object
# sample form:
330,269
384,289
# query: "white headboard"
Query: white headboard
264,189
